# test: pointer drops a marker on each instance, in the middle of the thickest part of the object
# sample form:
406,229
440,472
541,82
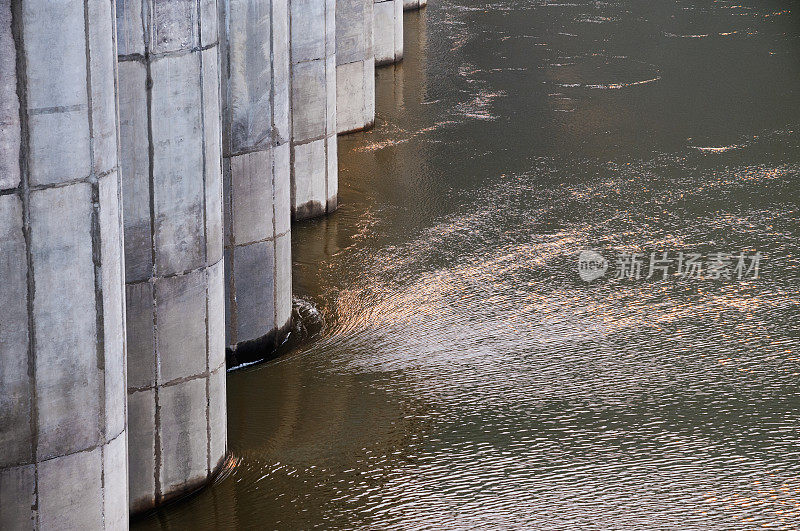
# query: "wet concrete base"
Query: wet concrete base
369,125
144,510
387,62
314,209
413,5
256,350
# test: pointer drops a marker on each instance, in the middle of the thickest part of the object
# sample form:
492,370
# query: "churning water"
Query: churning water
457,372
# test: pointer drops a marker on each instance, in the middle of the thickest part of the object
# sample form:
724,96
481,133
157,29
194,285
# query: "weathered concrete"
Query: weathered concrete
255,116
355,66
314,160
409,5
388,31
172,189
62,349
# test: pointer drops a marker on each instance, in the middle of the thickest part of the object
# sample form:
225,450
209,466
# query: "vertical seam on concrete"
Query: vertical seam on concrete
17,32
234,305
364,71
146,37
227,173
368,94
274,145
121,226
96,258
292,185
369,64
394,32
103,485
206,274
326,135
400,37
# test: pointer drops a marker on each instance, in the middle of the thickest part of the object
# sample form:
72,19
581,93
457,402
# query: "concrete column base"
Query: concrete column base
254,45
388,31
411,5
355,66
261,349
314,158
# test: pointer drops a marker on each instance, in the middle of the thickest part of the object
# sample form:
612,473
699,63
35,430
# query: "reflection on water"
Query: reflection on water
461,374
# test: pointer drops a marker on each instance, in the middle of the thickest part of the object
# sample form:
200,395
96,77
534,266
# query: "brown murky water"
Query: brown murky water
453,371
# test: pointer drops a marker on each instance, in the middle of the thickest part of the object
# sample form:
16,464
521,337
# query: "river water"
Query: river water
452,370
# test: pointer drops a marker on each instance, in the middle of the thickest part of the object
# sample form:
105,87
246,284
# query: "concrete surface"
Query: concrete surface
255,138
355,66
388,31
172,189
314,160
62,350
409,5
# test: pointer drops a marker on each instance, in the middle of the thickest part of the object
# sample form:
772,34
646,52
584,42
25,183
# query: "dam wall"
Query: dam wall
153,155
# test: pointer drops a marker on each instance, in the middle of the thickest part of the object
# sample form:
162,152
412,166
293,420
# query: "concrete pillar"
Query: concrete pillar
254,45
172,189
62,330
409,5
314,158
355,66
388,30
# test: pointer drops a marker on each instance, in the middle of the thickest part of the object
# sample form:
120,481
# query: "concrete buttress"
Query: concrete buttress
62,329
254,47
388,30
409,5
355,66
172,190
314,160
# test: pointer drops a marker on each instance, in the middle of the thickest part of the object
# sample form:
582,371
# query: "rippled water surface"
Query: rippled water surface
455,372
